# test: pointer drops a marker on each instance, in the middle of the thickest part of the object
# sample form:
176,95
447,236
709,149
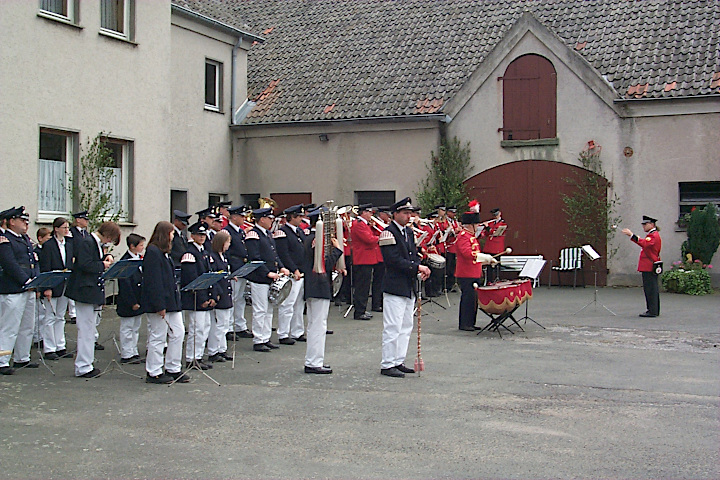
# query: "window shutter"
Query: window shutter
529,99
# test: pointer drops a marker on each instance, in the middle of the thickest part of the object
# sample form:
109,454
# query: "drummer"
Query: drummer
468,269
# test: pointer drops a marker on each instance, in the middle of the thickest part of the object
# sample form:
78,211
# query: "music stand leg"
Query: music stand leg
594,301
526,317
37,332
114,363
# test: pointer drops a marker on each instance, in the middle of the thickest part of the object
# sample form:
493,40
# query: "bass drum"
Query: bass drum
279,290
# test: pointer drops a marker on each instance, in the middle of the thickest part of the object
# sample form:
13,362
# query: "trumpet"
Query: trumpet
377,224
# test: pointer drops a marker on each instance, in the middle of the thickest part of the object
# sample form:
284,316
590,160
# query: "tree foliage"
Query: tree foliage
91,187
445,175
590,213
703,234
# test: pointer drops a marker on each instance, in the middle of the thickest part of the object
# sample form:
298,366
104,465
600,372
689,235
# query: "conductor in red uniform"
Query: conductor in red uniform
649,256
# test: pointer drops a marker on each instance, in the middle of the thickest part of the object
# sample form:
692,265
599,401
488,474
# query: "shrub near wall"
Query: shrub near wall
689,277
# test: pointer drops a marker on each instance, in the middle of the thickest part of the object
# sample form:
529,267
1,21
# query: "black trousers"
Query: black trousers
345,293
468,302
377,291
362,277
652,292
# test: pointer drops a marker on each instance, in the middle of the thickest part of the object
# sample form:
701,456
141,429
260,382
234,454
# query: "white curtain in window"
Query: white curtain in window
113,185
111,15
55,6
51,189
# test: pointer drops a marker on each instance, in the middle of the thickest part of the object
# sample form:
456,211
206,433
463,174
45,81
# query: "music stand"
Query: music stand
119,270
204,281
45,281
243,272
532,269
593,255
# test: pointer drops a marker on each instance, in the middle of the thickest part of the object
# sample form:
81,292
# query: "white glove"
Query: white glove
486,259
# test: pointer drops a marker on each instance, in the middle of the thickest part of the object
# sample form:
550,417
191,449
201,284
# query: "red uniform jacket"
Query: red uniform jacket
346,241
466,246
650,252
494,245
366,250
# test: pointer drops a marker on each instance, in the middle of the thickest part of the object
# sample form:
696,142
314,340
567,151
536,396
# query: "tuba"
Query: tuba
329,225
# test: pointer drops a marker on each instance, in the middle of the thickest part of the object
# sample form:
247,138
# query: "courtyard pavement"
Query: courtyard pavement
591,396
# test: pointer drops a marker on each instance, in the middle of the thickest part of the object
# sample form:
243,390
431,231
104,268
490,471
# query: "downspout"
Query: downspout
233,99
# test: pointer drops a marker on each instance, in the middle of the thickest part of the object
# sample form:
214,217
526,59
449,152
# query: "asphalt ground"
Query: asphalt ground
590,396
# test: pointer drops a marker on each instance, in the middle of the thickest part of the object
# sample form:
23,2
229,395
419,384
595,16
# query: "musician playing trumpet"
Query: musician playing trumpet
468,269
494,234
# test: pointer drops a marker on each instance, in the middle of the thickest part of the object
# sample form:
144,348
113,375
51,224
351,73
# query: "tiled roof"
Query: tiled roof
347,59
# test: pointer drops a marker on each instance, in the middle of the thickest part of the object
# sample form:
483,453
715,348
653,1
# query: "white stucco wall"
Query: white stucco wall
390,156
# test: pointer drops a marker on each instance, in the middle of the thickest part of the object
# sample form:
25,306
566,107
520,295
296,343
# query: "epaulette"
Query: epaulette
252,235
279,234
3,239
306,231
386,238
188,258
69,234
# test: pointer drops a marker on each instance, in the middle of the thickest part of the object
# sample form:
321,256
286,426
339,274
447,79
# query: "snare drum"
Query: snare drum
436,261
279,290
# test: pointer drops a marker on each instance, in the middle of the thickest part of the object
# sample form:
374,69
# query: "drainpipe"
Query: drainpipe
233,99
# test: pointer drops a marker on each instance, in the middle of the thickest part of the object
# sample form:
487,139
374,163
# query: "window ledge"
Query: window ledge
115,36
214,110
126,223
58,19
530,143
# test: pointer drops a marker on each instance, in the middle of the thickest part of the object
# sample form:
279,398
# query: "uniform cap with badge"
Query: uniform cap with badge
17,212
82,214
182,216
239,210
198,228
647,219
295,210
263,212
404,204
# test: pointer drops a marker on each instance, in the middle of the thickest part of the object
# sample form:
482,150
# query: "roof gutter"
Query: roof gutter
437,117
215,24
685,97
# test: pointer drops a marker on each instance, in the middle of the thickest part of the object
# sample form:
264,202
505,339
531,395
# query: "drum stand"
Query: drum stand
594,301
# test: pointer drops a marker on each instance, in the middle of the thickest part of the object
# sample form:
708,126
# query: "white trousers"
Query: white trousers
198,330
397,326
71,308
171,330
290,312
17,322
220,324
238,300
52,325
129,333
87,317
317,312
262,312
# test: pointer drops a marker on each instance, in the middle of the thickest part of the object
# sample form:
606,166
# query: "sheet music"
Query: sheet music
500,230
532,268
590,252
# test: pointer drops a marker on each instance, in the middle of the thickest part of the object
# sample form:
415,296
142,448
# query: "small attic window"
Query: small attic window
529,99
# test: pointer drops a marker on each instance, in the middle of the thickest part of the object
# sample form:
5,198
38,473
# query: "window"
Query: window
59,9
117,182
251,200
698,194
215,198
55,166
213,85
529,99
377,198
116,18
178,201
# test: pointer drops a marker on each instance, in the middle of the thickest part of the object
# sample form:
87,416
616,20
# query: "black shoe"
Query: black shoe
98,346
64,353
27,364
216,358
364,316
134,360
230,336
261,347
139,358
338,303
198,364
321,370
226,356
178,377
301,338
244,334
648,315
274,329
287,341
52,356
392,372
271,346
162,379
329,332
405,369
378,309
467,329
91,374
72,320
6,370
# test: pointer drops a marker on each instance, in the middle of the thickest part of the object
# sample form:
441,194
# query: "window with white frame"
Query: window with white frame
55,166
116,18
59,9
213,85
118,181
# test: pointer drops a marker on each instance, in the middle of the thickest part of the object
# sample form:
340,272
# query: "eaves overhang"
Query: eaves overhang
215,24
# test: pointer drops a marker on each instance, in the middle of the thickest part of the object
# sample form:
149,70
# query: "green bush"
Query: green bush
703,233
690,282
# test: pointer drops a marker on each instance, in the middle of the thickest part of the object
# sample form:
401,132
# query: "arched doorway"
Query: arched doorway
529,193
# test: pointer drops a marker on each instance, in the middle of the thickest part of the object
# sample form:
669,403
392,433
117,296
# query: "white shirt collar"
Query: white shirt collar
198,245
261,229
